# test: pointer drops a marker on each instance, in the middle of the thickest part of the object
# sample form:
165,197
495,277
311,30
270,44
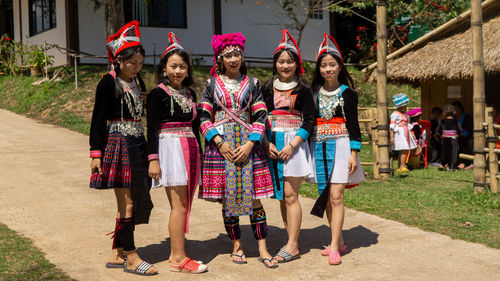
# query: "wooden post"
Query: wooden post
45,56
492,144
376,173
154,53
76,73
478,95
383,125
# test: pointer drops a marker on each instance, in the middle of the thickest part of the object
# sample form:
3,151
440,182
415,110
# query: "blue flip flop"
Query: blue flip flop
263,260
241,261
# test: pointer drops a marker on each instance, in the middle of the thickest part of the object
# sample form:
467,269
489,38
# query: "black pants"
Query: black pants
449,152
435,151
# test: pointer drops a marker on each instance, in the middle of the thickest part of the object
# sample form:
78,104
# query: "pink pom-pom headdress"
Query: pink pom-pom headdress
288,42
415,112
128,36
220,44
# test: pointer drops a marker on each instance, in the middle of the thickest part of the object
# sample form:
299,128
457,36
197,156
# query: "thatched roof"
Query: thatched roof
449,57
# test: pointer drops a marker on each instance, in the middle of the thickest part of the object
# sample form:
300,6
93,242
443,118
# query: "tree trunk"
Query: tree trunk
114,16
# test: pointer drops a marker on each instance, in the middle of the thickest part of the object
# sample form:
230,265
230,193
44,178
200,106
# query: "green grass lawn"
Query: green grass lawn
429,199
20,260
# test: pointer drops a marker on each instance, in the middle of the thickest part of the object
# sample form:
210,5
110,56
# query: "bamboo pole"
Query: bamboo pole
492,144
383,127
376,173
478,94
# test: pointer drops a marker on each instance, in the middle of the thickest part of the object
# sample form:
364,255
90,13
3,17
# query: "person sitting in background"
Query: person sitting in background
435,141
465,141
450,130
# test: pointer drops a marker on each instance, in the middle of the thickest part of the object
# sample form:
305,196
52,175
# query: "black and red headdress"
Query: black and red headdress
288,42
173,44
128,36
329,45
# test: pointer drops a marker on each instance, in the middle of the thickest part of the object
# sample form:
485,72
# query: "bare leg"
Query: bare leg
336,201
178,198
402,158
293,214
283,214
125,210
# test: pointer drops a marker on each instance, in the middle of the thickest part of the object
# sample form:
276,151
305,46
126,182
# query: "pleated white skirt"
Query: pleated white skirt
299,163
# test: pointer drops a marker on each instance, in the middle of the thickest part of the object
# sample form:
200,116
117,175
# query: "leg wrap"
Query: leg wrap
259,224
116,239
126,234
232,225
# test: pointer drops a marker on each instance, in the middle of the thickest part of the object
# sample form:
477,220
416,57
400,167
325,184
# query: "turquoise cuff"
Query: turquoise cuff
210,134
255,137
355,145
303,133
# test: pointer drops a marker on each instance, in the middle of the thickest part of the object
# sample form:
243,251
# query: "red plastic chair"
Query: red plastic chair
426,126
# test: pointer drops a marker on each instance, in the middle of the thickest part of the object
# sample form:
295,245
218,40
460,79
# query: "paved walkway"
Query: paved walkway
45,196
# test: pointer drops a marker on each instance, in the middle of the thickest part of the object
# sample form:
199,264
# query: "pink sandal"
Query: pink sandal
342,250
189,266
334,258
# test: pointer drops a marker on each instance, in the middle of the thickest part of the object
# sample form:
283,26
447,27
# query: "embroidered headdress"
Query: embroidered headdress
329,45
400,100
288,42
173,44
225,44
128,36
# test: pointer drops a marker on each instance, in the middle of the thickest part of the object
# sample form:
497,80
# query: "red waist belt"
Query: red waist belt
330,128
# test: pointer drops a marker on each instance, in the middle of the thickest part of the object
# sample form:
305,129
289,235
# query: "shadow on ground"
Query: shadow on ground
313,238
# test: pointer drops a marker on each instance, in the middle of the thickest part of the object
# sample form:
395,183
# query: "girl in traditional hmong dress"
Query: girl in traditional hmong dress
118,147
336,142
291,121
401,137
232,115
174,154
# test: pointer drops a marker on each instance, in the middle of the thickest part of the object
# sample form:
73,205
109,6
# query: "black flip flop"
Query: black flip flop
241,261
115,265
263,260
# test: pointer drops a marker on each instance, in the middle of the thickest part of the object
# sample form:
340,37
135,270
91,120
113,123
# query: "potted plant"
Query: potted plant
38,59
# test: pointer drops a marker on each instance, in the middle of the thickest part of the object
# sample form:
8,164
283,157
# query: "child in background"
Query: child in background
435,140
449,129
402,139
418,132
416,156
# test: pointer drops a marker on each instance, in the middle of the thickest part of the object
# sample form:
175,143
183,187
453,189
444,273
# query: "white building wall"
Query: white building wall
56,35
261,23
195,38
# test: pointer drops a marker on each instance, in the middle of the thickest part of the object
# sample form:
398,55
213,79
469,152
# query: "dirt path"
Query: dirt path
45,196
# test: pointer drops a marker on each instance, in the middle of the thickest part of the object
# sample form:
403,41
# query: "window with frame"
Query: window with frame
156,13
42,15
317,14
